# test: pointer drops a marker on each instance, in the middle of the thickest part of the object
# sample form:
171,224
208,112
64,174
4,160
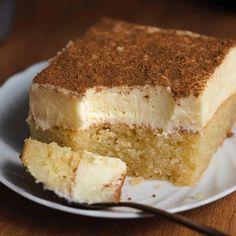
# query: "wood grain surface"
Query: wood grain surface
40,29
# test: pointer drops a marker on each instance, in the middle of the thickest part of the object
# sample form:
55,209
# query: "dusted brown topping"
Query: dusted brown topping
115,53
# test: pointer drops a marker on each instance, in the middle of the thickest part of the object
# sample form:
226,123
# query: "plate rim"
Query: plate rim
117,215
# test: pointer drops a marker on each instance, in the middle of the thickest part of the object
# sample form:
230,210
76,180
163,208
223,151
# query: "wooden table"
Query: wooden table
39,30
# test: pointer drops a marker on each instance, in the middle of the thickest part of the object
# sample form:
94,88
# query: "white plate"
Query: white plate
218,181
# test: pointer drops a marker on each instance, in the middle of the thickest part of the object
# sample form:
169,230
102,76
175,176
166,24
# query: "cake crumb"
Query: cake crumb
145,57
136,180
120,48
94,57
198,196
229,134
157,186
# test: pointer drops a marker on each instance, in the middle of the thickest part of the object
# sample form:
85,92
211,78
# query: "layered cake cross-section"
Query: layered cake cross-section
160,100
80,176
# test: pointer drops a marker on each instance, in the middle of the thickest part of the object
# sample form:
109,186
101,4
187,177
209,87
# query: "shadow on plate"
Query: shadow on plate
17,175
13,127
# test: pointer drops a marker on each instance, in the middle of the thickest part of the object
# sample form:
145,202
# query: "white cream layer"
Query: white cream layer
98,179
152,107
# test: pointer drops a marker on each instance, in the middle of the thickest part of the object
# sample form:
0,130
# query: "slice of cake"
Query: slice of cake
77,176
161,100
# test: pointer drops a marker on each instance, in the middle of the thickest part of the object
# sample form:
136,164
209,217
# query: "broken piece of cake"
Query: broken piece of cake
160,100
80,176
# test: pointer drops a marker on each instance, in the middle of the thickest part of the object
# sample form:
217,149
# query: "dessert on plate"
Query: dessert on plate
160,100
79,176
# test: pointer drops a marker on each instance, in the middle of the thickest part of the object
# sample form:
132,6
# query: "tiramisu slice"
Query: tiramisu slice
77,176
161,100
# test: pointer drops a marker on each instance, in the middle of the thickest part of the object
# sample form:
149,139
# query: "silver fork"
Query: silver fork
176,218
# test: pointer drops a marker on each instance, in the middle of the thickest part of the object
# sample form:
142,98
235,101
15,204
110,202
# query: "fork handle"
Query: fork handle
170,216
